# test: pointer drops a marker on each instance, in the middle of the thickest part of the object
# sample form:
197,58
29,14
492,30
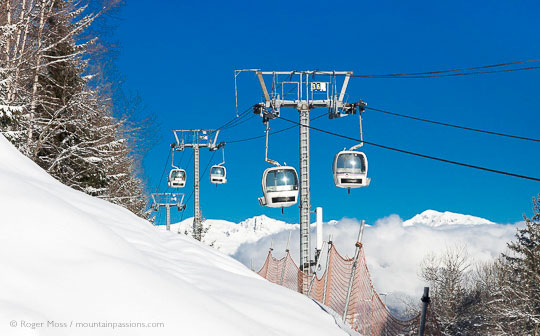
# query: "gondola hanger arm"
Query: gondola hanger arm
275,163
223,153
361,133
173,149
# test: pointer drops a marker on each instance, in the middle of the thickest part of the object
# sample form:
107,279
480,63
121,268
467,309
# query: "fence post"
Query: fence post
285,261
327,269
425,302
353,270
314,275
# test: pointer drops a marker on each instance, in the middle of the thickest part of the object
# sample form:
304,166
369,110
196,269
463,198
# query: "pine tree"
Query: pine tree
521,285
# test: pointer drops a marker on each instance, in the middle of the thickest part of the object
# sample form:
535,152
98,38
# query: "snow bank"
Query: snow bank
74,265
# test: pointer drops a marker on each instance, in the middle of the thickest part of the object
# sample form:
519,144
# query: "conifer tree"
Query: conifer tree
521,285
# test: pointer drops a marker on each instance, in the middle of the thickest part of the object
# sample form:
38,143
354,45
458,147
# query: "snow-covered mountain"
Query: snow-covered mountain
228,236
78,265
434,218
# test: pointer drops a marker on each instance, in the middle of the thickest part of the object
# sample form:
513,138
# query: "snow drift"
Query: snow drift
74,265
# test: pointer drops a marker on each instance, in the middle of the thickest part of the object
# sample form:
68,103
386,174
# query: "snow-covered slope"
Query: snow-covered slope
434,218
228,236
82,264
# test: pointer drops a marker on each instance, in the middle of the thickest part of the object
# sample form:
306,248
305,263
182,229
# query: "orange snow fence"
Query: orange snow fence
366,312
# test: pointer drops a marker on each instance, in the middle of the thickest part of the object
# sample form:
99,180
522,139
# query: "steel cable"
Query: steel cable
419,154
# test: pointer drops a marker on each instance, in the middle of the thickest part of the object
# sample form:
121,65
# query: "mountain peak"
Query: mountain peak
435,218
228,236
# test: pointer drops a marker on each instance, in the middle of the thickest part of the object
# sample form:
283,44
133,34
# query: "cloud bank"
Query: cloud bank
393,251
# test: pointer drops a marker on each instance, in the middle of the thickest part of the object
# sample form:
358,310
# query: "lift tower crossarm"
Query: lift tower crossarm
306,72
344,87
263,87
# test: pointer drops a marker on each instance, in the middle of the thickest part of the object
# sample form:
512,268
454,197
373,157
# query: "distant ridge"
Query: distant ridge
434,218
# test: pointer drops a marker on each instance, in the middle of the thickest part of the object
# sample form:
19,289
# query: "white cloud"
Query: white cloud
393,251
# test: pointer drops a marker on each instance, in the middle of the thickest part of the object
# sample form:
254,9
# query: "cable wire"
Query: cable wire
231,122
271,133
452,125
449,75
417,154
163,173
453,70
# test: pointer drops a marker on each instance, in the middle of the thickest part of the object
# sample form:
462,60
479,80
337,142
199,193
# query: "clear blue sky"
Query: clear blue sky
180,56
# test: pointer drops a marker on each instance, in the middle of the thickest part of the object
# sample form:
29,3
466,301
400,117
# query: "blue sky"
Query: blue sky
180,57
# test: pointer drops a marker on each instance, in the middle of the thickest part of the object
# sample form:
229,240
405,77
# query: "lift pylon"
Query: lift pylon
304,91
197,139
168,201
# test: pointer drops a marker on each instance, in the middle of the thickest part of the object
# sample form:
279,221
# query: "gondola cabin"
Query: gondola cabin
279,187
218,174
350,170
177,178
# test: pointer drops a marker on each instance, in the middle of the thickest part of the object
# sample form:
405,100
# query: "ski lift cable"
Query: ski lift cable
163,173
418,154
231,122
450,74
451,70
272,133
241,119
452,125
240,122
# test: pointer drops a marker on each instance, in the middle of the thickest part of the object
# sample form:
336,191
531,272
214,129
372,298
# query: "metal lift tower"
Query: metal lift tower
196,139
304,91
168,200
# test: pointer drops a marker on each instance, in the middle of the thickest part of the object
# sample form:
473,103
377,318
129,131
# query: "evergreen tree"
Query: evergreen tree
521,284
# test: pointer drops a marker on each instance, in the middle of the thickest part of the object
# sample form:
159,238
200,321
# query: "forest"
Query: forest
61,100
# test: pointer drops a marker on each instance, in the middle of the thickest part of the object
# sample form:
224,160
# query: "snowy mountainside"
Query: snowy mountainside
83,264
228,236
434,218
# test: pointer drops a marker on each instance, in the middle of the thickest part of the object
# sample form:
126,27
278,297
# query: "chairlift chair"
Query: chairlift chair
177,178
279,187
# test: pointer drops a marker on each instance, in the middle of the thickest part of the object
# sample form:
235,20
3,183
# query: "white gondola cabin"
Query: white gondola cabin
218,174
280,187
350,170
177,178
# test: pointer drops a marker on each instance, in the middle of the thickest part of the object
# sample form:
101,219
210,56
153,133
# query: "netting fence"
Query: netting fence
346,288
